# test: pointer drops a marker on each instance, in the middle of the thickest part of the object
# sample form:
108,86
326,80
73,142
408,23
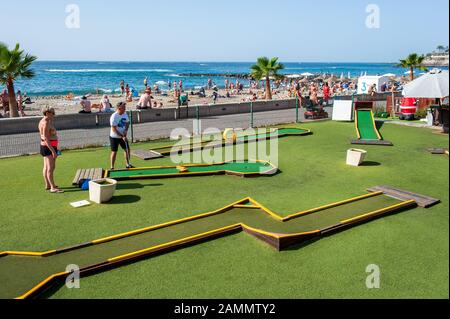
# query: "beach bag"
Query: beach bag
84,184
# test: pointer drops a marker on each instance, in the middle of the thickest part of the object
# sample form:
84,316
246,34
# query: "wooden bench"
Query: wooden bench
87,173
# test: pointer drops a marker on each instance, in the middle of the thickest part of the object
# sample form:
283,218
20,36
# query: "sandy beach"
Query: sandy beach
62,105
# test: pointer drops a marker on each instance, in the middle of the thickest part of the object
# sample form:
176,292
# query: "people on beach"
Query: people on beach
119,122
313,95
86,106
49,148
326,93
215,96
5,102
122,87
19,99
105,105
372,90
145,101
146,82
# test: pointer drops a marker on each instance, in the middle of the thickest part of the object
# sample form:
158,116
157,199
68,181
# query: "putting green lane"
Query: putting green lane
366,125
198,145
243,168
20,274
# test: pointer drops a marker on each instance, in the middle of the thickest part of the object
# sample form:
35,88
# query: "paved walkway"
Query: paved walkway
25,144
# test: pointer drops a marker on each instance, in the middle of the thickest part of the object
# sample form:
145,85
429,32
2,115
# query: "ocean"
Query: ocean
57,78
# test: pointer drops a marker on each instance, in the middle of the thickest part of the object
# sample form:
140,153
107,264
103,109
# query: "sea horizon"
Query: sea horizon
83,77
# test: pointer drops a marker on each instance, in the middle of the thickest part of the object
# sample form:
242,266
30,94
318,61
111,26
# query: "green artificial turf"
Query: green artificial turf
366,127
19,274
411,248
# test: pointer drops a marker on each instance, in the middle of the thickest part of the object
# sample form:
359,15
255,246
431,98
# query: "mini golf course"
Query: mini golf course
367,130
208,144
25,274
243,169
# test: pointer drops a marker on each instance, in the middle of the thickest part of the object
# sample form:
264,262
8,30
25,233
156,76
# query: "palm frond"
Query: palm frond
263,61
15,63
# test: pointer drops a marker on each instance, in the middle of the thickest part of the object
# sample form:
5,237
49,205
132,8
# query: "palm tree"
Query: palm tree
440,48
413,61
14,64
266,69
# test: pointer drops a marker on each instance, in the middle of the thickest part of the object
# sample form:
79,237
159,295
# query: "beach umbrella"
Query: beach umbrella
389,75
331,78
304,80
307,74
293,76
433,84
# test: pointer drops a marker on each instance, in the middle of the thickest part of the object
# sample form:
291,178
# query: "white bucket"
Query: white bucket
355,156
102,190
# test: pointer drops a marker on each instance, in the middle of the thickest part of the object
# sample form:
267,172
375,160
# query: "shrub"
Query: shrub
421,113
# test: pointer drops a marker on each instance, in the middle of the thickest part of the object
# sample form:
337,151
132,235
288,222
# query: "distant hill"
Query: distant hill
437,58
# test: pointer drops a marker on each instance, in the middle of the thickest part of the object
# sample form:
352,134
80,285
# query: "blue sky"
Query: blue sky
228,30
